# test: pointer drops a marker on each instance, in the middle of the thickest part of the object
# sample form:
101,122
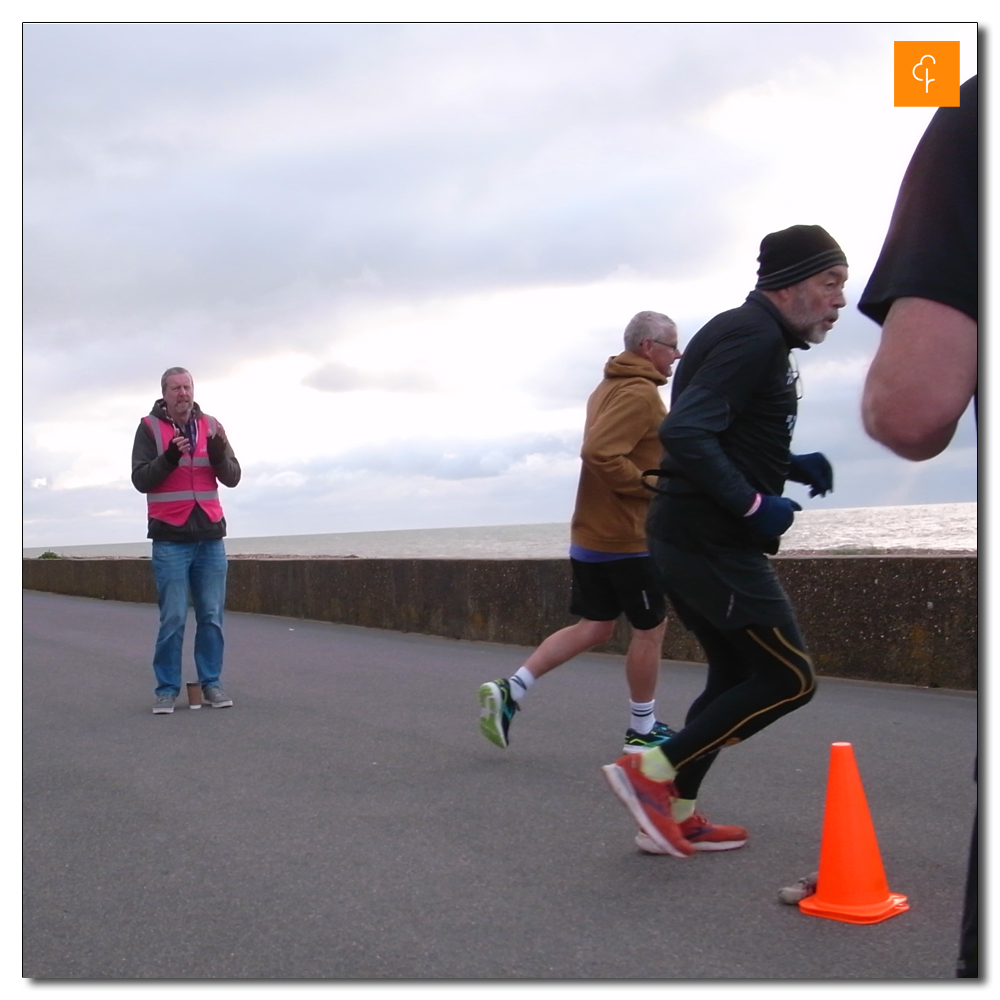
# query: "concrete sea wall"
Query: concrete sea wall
902,619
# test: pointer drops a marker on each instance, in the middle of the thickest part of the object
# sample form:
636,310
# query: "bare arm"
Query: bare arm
922,377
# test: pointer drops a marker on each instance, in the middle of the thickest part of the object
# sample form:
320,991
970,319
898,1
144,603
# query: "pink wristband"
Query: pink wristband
755,506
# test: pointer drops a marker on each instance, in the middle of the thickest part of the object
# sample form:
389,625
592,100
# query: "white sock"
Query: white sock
643,716
520,682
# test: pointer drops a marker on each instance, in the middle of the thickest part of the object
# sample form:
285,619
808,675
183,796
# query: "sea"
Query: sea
920,528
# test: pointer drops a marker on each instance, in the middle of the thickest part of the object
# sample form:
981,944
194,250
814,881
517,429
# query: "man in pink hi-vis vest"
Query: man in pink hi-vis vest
179,457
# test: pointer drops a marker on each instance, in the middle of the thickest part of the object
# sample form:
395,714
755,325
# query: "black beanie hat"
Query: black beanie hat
794,254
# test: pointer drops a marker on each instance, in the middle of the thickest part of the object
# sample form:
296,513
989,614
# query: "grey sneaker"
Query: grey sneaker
164,704
216,697
793,894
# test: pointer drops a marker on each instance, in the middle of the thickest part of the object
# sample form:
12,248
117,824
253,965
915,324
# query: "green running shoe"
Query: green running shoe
637,742
496,709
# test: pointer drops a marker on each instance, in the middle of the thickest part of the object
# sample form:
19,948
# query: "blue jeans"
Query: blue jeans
180,567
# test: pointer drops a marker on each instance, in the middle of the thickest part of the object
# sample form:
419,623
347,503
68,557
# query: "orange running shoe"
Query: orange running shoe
701,835
650,803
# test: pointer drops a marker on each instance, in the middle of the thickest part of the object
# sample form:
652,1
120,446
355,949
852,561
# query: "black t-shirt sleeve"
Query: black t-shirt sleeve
931,250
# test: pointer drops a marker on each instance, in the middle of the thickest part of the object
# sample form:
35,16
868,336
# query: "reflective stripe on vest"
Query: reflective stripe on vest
191,482
183,495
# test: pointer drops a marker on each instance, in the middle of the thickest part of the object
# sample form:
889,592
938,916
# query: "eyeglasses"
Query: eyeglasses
664,343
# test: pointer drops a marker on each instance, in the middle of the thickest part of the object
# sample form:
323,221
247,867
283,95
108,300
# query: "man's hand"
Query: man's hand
179,446
217,446
770,517
812,470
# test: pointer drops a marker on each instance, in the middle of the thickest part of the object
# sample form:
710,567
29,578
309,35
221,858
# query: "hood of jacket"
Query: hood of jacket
159,411
629,365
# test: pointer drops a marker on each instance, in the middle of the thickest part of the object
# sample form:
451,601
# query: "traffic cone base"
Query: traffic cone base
855,913
851,885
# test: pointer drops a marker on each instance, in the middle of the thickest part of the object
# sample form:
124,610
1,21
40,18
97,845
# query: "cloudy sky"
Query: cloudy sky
396,257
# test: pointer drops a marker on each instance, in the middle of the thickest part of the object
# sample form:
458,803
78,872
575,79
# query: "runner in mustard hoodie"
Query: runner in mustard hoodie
612,571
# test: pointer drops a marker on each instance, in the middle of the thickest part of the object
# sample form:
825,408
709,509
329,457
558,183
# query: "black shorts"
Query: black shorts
731,588
604,590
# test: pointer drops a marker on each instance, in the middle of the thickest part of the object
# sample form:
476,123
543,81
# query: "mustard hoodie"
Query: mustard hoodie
620,440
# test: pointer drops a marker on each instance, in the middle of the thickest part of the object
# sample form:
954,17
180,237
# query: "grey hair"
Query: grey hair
168,373
645,326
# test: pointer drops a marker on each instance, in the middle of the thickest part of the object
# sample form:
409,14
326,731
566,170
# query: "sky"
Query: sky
395,257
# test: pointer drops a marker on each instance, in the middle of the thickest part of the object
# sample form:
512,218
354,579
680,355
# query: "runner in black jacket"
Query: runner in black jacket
718,512
733,409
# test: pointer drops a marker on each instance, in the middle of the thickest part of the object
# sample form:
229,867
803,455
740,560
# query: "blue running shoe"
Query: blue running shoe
496,709
637,742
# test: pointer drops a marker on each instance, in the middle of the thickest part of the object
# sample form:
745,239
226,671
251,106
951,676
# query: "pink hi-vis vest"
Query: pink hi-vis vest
193,481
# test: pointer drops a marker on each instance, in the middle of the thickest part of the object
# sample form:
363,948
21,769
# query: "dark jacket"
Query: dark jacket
150,469
728,434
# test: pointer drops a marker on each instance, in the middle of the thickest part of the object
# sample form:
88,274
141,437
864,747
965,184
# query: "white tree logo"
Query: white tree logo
926,79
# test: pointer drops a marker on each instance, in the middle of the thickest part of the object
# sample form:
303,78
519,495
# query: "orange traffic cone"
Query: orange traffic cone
851,885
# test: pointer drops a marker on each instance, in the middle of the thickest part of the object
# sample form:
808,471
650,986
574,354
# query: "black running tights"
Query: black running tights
755,675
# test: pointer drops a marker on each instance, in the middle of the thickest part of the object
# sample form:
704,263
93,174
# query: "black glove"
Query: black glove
814,471
216,449
172,453
773,517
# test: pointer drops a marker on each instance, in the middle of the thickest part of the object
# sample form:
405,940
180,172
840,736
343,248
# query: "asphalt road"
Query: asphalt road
345,819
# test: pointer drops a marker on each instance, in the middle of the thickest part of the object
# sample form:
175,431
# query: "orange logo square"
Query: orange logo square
926,75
